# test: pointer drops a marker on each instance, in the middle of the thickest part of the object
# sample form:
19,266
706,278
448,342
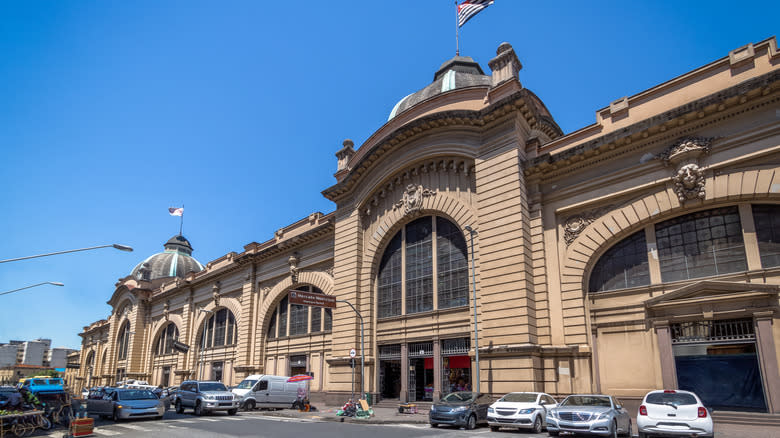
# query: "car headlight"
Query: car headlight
119,406
526,411
491,410
433,408
208,397
603,416
552,414
460,409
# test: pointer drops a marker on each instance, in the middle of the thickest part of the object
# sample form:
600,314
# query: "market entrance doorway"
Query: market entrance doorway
717,360
390,378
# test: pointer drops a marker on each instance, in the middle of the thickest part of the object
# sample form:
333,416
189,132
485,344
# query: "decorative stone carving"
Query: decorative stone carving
166,309
294,270
413,197
688,179
689,183
574,225
686,149
215,292
329,271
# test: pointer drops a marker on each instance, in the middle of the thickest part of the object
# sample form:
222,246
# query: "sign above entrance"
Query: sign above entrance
180,346
312,299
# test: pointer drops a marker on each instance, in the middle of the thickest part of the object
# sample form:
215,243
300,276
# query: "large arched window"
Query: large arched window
123,340
90,359
413,251
701,244
767,220
622,266
220,329
299,321
165,342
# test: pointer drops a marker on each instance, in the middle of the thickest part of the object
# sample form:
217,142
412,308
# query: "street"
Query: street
256,424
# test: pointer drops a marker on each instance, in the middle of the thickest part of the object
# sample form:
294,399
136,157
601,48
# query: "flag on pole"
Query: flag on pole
176,211
470,8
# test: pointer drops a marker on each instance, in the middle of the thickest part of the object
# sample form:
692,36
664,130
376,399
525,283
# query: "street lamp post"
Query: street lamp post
472,232
203,345
362,354
129,361
53,283
113,245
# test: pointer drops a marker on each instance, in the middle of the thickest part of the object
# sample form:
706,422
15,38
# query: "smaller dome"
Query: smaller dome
175,261
458,72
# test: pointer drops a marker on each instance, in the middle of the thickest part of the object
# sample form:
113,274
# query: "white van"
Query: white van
266,391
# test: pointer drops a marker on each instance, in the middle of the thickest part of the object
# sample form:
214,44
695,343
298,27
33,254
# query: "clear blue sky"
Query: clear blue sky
112,111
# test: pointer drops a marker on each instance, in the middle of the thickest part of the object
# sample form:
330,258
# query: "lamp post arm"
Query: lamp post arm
54,283
362,351
113,245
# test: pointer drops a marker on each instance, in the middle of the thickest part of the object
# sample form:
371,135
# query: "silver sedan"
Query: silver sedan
123,404
589,414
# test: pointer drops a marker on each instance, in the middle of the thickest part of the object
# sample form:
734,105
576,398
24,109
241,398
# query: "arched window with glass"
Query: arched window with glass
427,256
168,336
302,319
767,220
123,340
622,266
220,329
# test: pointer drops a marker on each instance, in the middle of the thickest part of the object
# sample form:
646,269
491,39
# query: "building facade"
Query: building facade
618,258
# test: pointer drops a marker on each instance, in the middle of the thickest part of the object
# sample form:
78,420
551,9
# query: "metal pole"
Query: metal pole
113,245
203,345
362,354
54,283
474,298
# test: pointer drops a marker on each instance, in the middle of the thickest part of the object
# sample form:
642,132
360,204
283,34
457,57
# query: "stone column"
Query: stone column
596,370
404,373
437,365
767,359
668,367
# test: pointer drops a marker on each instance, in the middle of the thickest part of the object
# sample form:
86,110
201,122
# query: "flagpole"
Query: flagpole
181,223
457,31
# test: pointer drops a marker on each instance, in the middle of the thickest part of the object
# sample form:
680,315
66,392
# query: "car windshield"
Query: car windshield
246,384
216,386
458,397
136,394
586,400
671,398
519,398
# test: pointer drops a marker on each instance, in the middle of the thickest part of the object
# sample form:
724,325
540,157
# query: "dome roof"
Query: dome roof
458,72
175,261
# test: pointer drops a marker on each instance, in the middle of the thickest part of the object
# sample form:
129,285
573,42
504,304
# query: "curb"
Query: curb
330,415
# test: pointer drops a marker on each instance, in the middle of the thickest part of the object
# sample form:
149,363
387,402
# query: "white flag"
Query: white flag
176,211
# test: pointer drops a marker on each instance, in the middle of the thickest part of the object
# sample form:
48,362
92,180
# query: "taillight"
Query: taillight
702,413
643,410
670,391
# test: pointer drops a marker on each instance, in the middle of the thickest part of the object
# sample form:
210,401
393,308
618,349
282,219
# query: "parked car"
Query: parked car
266,391
204,397
10,398
125,403
521,410
462,408
673,413
589,414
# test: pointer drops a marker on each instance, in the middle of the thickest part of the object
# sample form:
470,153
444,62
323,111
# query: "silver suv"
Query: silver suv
204,397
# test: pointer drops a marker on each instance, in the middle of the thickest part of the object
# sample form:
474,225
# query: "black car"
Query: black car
463,408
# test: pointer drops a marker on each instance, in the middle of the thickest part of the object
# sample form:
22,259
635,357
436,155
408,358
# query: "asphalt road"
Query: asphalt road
256,424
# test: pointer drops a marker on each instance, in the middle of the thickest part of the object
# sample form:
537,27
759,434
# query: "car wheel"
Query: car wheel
115,415
642,435
159,417
249,405
471,422
434,425
179,407
232,411
198,410
538,424
613,433
494,428
552,433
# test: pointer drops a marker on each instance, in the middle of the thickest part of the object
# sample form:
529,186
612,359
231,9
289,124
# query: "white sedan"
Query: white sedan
673,413
520,410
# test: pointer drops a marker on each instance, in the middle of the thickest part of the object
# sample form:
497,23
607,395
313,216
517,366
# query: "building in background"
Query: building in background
637,253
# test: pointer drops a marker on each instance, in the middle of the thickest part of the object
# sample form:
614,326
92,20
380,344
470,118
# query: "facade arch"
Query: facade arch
162,323
231,304
584,251
321,280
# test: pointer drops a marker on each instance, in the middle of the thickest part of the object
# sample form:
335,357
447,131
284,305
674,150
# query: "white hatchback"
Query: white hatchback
673,413
520,410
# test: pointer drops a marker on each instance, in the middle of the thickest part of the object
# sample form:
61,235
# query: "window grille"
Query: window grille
622,266
767,220
453,347
419,266
421,349
453,280
730,330
390,351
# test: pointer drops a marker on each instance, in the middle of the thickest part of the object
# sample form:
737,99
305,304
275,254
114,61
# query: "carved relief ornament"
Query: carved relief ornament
688,178
294,270
412,198
689,182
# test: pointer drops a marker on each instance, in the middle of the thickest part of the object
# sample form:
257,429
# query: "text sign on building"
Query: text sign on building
312,299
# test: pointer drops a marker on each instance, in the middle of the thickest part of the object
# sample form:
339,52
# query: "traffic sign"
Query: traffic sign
312,299
352,353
